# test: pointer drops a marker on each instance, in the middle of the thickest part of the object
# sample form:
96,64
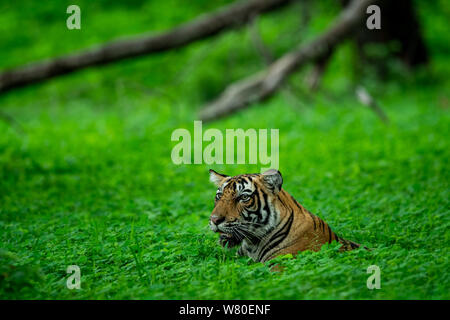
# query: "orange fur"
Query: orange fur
283,226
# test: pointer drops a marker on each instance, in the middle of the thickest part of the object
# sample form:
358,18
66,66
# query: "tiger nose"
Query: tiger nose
217,219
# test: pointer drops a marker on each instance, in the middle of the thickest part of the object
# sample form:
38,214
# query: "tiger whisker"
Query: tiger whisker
255,232
249,234
238,235
243,235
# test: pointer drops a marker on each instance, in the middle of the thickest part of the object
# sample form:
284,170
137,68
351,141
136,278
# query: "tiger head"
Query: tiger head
244,207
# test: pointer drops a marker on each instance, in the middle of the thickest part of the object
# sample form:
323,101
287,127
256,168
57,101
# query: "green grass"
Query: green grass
90,182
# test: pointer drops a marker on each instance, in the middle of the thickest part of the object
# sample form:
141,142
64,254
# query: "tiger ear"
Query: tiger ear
216,177
273,180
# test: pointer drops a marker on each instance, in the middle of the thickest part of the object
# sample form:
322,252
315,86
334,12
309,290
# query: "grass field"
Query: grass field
90,181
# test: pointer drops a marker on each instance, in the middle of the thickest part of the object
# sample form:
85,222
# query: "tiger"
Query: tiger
255,212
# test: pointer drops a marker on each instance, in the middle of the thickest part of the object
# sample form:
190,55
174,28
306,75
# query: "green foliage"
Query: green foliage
17,280
90,182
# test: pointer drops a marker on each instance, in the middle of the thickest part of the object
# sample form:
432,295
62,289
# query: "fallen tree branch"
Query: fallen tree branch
263,84
315,77
203,27
258,42
267,56
366,99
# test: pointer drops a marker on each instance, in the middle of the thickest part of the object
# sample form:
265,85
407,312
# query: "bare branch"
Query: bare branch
265,83
267,56
203,27
258,42
315,77
366,99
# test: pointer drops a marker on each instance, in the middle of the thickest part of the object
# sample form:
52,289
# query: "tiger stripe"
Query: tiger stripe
253,211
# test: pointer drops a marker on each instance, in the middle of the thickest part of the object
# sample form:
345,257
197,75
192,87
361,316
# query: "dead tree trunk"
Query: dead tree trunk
200,28
262,85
